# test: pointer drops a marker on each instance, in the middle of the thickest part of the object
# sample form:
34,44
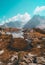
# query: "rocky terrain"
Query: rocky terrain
26,50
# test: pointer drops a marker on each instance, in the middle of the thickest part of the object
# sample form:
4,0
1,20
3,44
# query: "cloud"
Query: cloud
41,26
21,17
39,9
24,18
2,20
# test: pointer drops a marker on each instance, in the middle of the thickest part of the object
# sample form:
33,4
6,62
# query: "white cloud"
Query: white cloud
39,9
21,17
2,20
24,18
41,26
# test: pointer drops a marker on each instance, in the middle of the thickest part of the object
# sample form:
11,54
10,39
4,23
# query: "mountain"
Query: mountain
36,22
12,24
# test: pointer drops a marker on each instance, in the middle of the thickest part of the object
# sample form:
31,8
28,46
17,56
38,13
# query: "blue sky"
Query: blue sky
10,8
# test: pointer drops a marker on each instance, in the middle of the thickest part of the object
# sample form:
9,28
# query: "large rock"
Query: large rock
20,44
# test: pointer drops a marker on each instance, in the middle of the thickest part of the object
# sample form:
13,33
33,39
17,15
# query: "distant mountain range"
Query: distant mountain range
12,24
35,22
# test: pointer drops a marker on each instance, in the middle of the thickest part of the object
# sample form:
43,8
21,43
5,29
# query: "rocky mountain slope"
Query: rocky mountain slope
23,51
36,22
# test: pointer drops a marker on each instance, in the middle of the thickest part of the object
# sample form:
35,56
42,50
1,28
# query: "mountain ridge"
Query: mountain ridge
36,22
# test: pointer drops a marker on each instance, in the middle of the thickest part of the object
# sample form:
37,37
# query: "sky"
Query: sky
23,10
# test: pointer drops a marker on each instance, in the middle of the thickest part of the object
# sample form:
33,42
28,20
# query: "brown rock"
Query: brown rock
19,43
